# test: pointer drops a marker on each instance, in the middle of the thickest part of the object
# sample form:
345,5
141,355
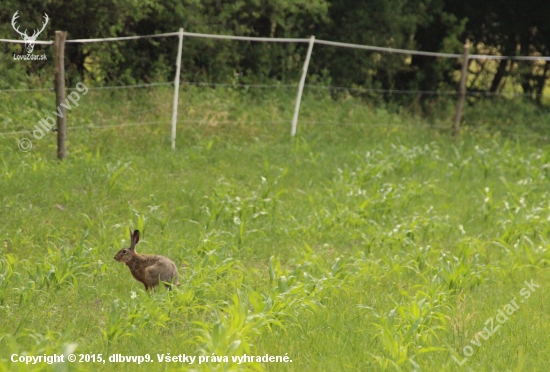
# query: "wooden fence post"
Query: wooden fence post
59,83
462,89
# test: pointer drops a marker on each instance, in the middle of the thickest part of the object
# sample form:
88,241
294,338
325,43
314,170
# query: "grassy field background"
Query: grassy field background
371,241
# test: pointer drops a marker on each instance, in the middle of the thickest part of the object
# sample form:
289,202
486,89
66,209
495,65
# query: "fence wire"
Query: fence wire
506,129
280,85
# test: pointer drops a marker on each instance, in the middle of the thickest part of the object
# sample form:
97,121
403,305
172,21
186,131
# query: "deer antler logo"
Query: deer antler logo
29,40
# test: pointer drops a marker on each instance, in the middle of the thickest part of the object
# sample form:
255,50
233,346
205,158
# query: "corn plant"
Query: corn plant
124,321
62,266
408,330
233,331
6,272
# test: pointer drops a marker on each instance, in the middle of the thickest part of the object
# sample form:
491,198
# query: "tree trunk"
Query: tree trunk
501,72
541,82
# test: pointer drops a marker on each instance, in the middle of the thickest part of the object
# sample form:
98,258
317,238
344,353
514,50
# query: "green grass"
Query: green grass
369,242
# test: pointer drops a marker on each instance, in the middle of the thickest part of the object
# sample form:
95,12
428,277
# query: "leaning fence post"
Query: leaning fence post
59,84
462,88
176,89
301,87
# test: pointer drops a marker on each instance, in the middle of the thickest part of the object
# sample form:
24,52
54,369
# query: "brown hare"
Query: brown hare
148,269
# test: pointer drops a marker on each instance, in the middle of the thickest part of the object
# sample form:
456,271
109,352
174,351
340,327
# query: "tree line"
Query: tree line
506,27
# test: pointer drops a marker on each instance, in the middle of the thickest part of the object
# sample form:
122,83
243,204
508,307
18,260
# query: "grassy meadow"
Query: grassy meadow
371,241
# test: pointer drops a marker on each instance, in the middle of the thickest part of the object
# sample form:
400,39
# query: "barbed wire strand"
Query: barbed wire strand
504,129
96,123
205,121
114,87
309,86
27,90
238,85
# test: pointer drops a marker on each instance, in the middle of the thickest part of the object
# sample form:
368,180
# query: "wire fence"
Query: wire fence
510,131
312,41
287,86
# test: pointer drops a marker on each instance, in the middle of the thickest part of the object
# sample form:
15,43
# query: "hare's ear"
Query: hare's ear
135,238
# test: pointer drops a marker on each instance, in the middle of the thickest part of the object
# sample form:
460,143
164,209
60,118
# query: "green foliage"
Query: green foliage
370,242
430,25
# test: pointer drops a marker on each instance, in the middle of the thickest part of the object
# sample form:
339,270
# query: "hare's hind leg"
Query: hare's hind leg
152,276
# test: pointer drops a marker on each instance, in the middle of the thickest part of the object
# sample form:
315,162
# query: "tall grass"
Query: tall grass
371,241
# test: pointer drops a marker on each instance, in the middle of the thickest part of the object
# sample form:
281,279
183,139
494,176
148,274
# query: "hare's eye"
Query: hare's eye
124,251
